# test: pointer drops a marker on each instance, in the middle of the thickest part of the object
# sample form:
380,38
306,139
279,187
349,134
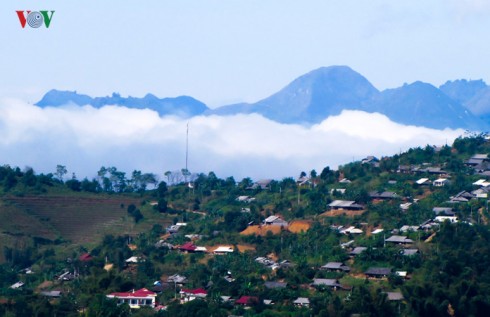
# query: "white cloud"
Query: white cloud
85,138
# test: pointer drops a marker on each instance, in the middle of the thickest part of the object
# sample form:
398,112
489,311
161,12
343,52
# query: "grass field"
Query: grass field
80,218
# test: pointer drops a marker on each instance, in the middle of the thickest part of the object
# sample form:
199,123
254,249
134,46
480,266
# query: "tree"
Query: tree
60,172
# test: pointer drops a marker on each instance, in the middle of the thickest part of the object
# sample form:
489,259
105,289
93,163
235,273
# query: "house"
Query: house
351,230
409,252
187,295
373,160
404,169
335,267
376,231
407,228
275,221
394,296
66,276
326,283
301,302
86,257
423,181
17,285
346,244
383,195
476,160
135,299
345,181
262,184
433,170
275,285
358,250
399,240
440,182
245,199
345,204
378,272
247,300
482,183
451,219
177,279
405,206
223,250
303,180
51,294
443,211
133,260
188,247
481,192
461,197
337,191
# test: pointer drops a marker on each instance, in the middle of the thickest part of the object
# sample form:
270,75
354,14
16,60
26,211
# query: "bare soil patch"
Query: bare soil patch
261,230
297,226
342,212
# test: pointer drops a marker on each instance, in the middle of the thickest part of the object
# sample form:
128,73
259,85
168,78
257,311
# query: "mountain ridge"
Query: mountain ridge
312,97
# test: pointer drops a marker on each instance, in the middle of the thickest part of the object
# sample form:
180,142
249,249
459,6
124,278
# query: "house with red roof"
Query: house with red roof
187,295
85,257
247,300
135,299
188,247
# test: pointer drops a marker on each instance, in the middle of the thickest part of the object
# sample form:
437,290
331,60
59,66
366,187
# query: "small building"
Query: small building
247,300
383,195
378,272
345,204
452,219
17,285
188,247
351,230
86,257
423,181
373,160
275,221
275,285
223,250
51,294
335,267
326,283
177,279
187,295
135,299
440,182
357,250
301,302
245,199
405,206
407,228
394,296
399,240
443,211
409,252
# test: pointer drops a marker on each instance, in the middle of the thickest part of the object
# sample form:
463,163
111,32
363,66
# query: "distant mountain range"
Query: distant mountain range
324,92
182,106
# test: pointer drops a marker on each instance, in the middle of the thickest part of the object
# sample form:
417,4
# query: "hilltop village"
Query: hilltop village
406,235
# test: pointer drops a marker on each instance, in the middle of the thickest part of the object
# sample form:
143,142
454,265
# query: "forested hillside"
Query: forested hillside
406,235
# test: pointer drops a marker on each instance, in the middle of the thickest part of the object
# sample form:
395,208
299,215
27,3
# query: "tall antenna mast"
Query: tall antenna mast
187,147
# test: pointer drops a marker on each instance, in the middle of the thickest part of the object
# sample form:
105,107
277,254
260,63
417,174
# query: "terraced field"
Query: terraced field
79,219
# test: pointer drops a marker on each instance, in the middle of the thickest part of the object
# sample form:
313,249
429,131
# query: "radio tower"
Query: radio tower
187,147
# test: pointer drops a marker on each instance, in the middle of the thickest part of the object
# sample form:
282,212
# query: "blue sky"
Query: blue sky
222,52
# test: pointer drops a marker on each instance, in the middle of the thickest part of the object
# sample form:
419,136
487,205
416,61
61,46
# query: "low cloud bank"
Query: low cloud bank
84,139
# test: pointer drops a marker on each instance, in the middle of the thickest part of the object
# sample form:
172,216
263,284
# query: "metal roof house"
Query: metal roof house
135,299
